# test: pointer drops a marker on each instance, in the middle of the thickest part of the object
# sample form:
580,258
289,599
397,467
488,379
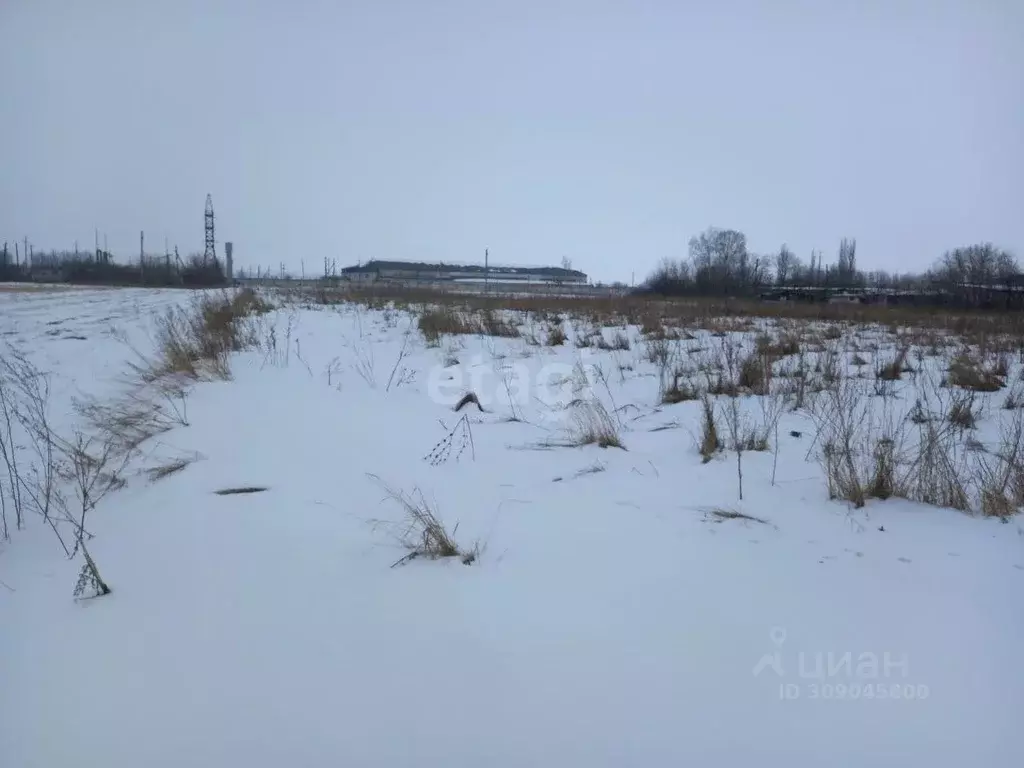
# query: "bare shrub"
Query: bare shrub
457,439
938,473
843,420
127,422
743,436
95,469
400,374
9,450
30,450
1002,474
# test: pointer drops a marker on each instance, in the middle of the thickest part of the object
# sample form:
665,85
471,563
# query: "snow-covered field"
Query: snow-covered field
625,607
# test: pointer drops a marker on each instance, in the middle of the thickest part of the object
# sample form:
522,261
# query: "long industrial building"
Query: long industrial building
420,272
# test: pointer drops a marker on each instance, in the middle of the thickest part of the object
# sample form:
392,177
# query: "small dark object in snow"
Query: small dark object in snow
234,491
794,433
467,398
881,528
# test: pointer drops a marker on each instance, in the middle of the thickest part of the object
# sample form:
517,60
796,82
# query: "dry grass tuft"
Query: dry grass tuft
709,443
892,370
435,323
493,324
439,321
556,335
721,515
422,533
786,345
196,341
755,373
961,412
591,424
972,374
681,390
168,469
619,341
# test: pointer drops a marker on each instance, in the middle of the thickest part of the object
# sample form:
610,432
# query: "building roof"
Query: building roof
419,266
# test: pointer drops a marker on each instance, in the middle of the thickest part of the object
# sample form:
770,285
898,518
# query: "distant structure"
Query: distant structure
229,269
211,243
412,273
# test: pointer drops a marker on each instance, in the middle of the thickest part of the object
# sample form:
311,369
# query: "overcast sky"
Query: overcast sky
608,132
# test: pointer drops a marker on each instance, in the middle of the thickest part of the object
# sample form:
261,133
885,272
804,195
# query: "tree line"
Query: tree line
720,264
100,268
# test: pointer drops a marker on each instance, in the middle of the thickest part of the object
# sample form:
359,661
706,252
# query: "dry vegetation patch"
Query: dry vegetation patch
421,531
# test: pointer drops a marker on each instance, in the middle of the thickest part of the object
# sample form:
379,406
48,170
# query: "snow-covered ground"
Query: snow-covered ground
618,613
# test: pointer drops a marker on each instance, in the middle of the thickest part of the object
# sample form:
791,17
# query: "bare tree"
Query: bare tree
783,265
847,268
720,260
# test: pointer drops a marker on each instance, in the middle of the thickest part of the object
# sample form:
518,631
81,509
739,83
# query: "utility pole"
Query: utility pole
487,270
142,257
